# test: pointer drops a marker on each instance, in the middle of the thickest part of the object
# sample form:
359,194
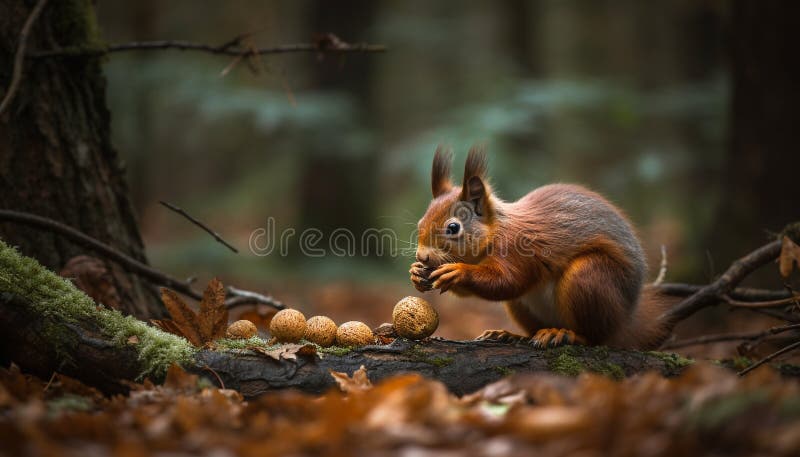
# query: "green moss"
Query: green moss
504,371
439,361
673,362
338,351
416,353
239,344
59,302
573,360
566,364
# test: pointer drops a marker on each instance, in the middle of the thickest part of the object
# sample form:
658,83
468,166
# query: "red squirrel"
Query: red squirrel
564,259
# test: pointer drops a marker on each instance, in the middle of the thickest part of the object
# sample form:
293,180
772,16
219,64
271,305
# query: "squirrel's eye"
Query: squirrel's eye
453,228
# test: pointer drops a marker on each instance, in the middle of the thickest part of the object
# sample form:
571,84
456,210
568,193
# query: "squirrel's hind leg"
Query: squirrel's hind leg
591,297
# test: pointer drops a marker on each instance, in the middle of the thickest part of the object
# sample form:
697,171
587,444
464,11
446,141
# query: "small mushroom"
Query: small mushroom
354,333
288,326
414,318
321,330
241,330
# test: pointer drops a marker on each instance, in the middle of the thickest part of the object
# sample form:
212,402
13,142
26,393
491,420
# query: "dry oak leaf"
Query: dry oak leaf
286,351
199,328
790,255
359,382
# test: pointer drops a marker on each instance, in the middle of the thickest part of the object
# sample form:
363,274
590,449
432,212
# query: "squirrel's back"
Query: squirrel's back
568,221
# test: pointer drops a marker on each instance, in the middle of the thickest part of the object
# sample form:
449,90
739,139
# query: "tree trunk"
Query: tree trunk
758,191
56,157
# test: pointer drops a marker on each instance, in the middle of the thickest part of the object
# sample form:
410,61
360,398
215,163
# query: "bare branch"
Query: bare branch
199,224
711,294
19,57
127,262
766,359
740,336
229,48
744,294
762,304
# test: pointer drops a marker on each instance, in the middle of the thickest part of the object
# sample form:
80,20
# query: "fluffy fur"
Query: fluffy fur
561,257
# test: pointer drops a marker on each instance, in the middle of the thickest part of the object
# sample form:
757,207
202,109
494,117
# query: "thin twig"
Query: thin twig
19,57
245,297
762,304
216,375
766,359
52,378
662,273
706,339
130,264
711,294
199,224
744,294
227,48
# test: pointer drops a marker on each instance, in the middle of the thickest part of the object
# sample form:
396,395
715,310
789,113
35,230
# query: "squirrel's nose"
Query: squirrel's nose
422,259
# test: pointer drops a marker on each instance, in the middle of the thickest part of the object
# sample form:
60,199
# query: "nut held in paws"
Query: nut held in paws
288,326
414,318
321,330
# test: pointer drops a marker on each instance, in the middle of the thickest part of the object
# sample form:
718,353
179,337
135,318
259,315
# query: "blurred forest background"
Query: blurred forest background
630,98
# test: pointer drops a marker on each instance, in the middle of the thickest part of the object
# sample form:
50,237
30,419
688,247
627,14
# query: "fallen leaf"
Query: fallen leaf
199,328
178,379
359,382
790,255
184,318
133,339
213,315
286,351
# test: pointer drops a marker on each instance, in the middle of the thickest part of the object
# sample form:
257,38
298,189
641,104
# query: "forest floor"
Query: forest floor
708,410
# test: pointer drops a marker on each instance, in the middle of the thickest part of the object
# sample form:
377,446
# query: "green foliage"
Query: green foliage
58,301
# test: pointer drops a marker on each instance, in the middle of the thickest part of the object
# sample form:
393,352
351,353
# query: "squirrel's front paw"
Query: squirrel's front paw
419,276
447,276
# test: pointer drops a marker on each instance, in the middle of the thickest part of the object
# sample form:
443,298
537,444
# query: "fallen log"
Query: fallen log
43,344
47,325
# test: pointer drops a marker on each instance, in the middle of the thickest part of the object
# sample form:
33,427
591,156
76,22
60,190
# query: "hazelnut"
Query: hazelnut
241,330
414,318
288,326
354,333
321,330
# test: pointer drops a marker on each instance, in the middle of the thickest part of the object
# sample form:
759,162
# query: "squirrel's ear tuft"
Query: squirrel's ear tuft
473,188
476,163
440,173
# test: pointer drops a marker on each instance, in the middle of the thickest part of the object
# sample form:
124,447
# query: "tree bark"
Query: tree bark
56,157
83,352
760,171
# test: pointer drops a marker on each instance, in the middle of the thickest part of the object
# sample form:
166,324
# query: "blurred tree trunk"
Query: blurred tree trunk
759,190
56,158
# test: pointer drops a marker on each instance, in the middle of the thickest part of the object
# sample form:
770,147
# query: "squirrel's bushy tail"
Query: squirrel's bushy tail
648,327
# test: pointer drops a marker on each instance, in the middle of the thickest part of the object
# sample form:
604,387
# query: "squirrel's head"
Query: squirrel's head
458,224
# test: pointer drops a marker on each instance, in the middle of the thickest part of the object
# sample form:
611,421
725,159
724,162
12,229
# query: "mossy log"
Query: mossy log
463,366
42,345
47,325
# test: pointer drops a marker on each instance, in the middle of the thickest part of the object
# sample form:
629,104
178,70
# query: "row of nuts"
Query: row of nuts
412,318
290,325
